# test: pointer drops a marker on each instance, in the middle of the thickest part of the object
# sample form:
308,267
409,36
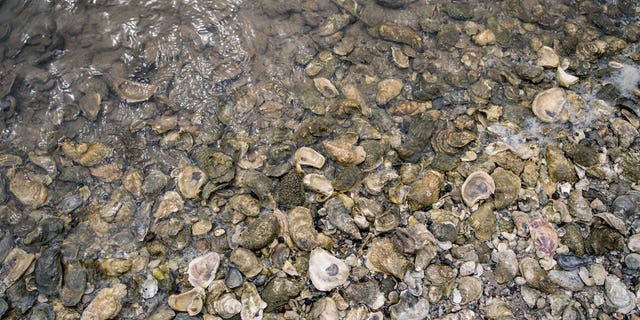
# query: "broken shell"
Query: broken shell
544,236
190,301
133,91
548,58
564,79
375,181
227,306
202,270
326,271
399,58
345,153
548,105
306,156
326,88
387,90
478,186
190,180
318,183
259,233
324,309
246,261
149,287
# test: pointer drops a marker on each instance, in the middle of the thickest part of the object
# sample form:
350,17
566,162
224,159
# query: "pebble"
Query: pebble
632,261
569,280
617,296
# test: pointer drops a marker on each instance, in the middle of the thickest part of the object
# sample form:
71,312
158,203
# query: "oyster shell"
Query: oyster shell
469,288
384,257
227,306
132,91
326,271
301,229
190,301
246,261
325,87
252,304
387,90
548,58
549,105
13,266
478,186
564,79
451,141
190,180
544,236
306,156
169,203
318,183
106,304
202,270
345,153
426,191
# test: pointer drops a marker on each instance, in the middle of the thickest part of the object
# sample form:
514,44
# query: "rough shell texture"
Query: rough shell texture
14,265
227,306
426,191
384,257
259,233
252,304
326,271
202,270
478,186
190,180
345,153
106,304
301,228
306,156
246,261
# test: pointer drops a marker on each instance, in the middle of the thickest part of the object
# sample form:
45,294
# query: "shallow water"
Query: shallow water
238,77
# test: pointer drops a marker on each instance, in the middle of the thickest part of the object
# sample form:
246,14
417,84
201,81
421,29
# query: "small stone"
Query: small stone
569,280
632,261
634,243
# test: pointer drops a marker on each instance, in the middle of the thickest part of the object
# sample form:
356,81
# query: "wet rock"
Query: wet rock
259,233
341,217
14,265
507,187
75,279
278,291
246,261
570,262
326,271
190,301
506,267
218,166
426,191
202,270
106,304
483,222
617,296
49,271
560,168
569,280
290,190
384,257
478,186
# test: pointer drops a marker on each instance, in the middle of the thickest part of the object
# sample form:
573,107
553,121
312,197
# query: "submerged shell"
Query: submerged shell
227,306
544,236
478,186
548,105
190,301
564,79
326,88
306,156
202,270
326,271
106,304
132,91
470,289
345,153
13,266
387,90
190,180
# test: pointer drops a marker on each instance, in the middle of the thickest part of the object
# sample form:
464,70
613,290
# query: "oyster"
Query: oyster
469,288
544,236
106,304
384,257
400,34
246,261
301,229
169,203
190,180
13,266
325,87
27,188
564,79
549,105
190,301
548,58
426,191
252,304
202,270
478,186
227,306
387,90
345,153
326,271
451,141
318,183
132,91
306,156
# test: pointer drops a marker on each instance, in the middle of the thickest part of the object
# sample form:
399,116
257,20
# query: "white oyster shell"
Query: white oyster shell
478,186
326,271
202,270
